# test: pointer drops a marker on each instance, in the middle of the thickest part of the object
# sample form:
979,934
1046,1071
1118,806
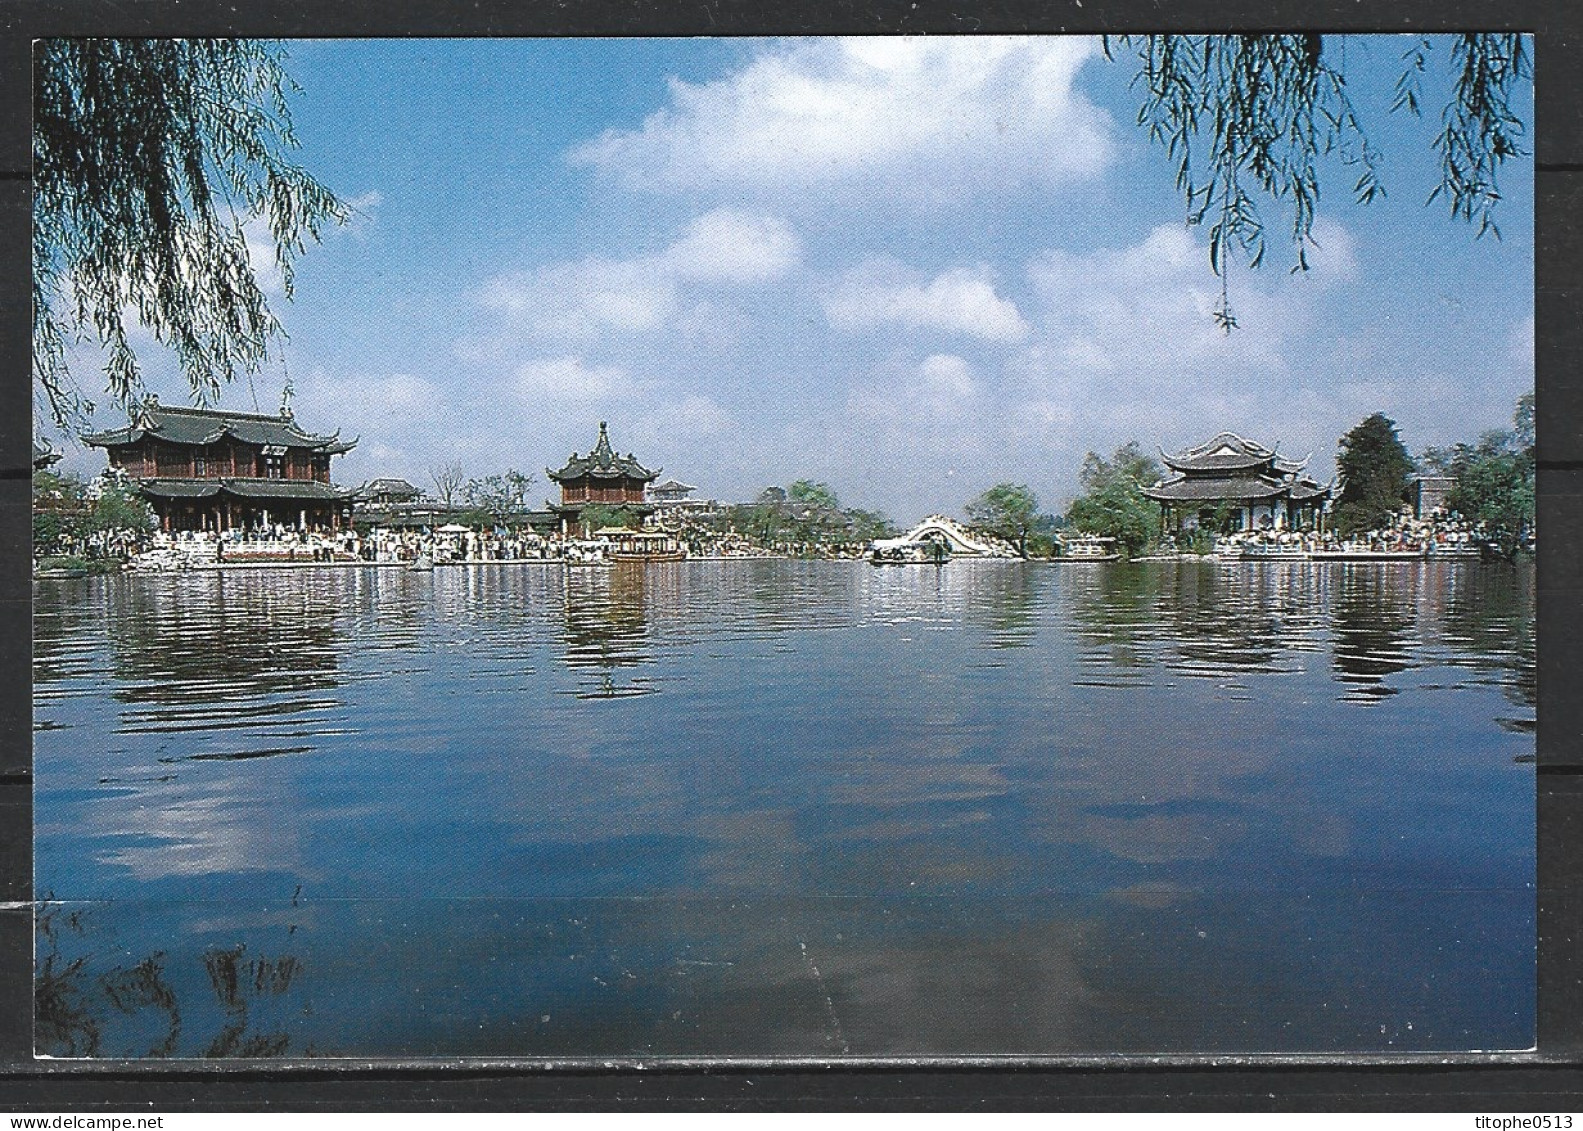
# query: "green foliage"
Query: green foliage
1113,504
1006,510
598,516
119,508
806,512
1245,117
149,158
1374,468
498,500
1495,481
65,512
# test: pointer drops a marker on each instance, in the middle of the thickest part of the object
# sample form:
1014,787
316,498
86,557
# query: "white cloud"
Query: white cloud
960,301
568,379
734,247
583,298
591,297
921,118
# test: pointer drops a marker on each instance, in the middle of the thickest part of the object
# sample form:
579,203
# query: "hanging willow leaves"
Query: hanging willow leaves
1249,117
150,158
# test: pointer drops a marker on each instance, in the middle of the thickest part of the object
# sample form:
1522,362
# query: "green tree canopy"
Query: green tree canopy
150,158
499,499
601,516
1113,504
1006,510
1494,480
1247,118
1374,469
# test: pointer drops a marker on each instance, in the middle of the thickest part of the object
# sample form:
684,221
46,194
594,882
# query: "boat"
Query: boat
641,545
903,551
1088,548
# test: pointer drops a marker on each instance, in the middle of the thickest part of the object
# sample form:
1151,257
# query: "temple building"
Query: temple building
670,493
213,469
1246,484
601,477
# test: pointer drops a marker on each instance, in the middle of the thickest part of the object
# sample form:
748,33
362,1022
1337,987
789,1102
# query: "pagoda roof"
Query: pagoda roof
200,426
1227,452
672,485
301,489
1184,489
603,463
389,486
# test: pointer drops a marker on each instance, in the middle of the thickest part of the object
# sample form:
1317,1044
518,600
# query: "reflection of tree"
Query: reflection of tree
1196,619
73,1007
1004,600
1491,617
1372,619
174,646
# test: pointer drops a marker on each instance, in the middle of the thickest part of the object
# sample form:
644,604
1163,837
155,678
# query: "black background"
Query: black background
1551,1080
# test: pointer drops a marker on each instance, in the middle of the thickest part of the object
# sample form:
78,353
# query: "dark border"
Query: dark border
1550,1080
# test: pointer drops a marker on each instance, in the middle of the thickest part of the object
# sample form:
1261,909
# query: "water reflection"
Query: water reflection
786,807
90,1003
606,629
1375,616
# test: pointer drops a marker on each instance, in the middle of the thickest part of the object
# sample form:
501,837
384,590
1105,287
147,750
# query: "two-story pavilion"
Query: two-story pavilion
1252,486
601,477
214,469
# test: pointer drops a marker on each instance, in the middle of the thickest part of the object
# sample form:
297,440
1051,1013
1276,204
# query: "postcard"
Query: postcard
901,547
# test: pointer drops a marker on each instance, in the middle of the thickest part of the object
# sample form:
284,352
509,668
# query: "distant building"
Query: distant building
213,469
670,493
387,492
601,478
1252,486
1428,494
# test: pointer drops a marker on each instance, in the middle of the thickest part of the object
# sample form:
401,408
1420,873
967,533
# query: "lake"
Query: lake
784,808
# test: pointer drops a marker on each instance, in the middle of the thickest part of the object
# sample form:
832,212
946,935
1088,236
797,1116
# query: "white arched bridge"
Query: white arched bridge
962,541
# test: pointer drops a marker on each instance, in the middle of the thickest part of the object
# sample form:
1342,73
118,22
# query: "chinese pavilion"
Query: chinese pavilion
601,477
1249,484
213,469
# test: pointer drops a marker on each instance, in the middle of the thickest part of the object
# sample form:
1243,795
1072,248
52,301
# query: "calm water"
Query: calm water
787,808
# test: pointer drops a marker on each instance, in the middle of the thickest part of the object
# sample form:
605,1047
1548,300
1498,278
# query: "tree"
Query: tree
599,516
1113,504
1374,469
1494,481
1249,116
499,499
1006,510
150,159
449,479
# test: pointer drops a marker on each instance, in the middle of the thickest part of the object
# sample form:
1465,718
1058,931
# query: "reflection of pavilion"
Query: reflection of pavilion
1252,486
606,627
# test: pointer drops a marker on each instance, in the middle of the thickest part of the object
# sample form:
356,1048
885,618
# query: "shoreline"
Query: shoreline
1156,559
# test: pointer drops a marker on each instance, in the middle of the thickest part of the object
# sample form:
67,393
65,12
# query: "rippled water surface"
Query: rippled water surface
753,808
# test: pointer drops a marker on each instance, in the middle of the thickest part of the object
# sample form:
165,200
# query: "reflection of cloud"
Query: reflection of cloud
203,828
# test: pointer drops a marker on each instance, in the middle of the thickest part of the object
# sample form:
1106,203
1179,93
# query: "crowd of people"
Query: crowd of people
1439,534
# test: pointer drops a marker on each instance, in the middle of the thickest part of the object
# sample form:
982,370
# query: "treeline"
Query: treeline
77,519
1492,487
805,513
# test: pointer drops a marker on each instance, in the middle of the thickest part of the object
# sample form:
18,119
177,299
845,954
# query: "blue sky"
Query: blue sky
911,268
